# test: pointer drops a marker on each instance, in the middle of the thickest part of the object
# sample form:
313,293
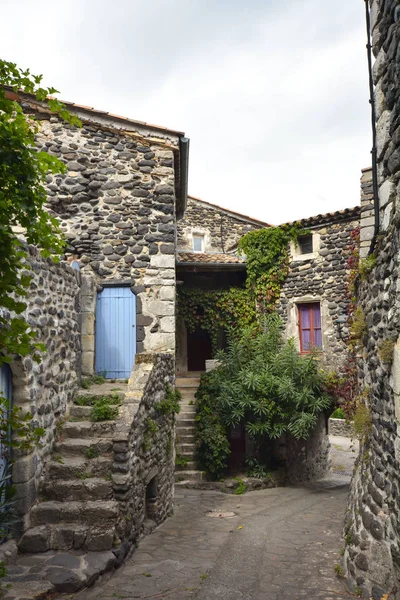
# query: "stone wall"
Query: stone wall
221,228
341,427
46,389
116,205
321,277
372,556
305,460
144,455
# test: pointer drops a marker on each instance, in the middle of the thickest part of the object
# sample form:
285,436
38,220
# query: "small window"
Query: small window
310,326
305,244
198,243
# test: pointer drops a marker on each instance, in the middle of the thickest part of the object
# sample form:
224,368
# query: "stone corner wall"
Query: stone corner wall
144,449
47,388
305,460
367,220
372,529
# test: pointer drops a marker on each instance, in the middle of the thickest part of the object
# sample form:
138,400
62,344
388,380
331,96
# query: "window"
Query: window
305,244
198,243
310,326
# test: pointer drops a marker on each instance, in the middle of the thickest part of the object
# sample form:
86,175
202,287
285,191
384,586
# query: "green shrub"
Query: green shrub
241,486
181,461
338,414
366,266
257,469
385,351
105,409
263,383
358,326
170,405
362,421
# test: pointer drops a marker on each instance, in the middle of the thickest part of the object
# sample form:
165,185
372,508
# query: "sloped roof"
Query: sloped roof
347,214
209,258
228,211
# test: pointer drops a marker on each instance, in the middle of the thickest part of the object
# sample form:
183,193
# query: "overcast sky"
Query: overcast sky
273,94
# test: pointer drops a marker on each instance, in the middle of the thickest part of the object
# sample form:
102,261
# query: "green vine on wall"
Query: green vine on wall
267,258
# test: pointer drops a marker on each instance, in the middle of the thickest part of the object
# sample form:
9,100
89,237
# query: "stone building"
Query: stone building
372,531
96,486
207,258
314,297
313,306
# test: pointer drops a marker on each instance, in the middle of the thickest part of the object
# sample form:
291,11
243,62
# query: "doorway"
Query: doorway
115,332
199,349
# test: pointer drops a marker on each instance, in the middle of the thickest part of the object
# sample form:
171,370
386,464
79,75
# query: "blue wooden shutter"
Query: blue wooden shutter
115,332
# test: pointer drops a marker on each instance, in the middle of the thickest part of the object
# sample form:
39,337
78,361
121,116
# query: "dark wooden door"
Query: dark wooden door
199,350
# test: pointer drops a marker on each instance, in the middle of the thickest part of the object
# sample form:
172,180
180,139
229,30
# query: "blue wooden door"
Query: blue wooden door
115,332
5,392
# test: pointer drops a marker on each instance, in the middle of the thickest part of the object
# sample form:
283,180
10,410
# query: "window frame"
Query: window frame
312,328
201,237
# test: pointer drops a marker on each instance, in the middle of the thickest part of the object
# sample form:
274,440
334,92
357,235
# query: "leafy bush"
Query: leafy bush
338,414
263,383
257,469
104,408
170,405
358,326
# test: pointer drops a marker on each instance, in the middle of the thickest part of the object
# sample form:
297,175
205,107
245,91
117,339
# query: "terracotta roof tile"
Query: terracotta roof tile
209,258
339,215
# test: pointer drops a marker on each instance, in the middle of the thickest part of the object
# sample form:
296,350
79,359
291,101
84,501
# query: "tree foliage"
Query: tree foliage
264,384
22,202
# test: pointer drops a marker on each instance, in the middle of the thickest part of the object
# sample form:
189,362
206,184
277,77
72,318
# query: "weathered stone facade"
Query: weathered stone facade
46,389
144,460
221,228
372,555
117,206
321,277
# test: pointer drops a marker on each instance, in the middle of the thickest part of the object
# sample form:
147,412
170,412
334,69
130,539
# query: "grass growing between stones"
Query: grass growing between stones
92,453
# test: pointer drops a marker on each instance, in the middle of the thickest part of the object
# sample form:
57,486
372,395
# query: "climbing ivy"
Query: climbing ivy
267,257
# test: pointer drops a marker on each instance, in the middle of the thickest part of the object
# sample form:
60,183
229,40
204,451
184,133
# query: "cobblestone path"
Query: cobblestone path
281,544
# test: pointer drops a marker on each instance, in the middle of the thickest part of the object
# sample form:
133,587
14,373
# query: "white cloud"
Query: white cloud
273,95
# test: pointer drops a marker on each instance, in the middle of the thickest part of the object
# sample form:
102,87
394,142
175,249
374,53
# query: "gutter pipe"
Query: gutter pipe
373,115
184,173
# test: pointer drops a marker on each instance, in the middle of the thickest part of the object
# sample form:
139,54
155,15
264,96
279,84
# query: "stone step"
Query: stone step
186,421
81,446
188,476
81,412
185,382
185,429
99,391
93,488
67,536
90,513
189,438
185,448
78,467
82,429
190,465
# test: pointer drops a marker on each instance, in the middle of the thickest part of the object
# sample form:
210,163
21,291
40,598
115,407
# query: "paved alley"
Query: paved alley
274,544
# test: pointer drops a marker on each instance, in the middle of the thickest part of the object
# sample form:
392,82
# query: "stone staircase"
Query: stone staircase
186,430
77,511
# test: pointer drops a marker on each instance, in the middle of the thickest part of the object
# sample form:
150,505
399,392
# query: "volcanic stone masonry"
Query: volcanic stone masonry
46,389
322,277
372,551
116,206
221,228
